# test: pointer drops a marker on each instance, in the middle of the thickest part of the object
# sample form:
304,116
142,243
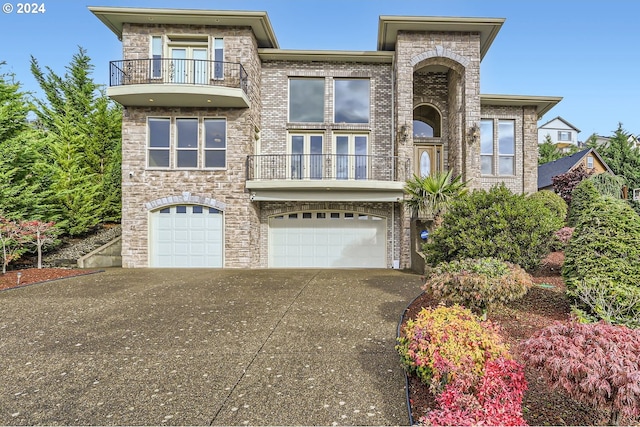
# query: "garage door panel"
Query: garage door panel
186,236
326,240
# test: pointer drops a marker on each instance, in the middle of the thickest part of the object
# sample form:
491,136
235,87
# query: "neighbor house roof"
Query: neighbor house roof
563,121
547,171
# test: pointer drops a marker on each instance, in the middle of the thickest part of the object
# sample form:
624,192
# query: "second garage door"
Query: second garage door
327,240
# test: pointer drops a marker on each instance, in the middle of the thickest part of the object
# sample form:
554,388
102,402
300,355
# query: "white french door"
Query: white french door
306,156
189,65
351,160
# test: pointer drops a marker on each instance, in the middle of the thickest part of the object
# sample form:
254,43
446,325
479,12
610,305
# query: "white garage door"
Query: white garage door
186,236
327,240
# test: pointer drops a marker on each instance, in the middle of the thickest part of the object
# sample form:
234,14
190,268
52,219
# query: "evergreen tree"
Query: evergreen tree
82,127
548,152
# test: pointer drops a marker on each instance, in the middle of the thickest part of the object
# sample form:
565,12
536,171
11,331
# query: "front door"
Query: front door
429,160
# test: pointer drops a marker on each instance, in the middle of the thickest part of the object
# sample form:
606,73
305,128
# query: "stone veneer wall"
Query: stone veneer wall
460,52
388,210
525,179
141,185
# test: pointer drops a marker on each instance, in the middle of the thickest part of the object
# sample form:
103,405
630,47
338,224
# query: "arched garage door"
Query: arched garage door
327,240
186,236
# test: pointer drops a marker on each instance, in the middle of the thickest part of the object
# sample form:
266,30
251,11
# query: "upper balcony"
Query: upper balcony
326,177
170,82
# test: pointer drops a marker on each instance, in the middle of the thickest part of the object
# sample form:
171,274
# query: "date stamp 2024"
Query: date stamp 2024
24,8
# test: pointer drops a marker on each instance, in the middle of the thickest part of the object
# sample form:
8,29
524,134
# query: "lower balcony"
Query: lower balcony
166,82
326,177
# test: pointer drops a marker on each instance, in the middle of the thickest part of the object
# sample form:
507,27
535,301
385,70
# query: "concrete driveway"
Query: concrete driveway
205,347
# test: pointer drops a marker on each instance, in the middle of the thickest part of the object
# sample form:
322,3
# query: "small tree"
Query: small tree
548,151
564,184
596,364
40,234
11,239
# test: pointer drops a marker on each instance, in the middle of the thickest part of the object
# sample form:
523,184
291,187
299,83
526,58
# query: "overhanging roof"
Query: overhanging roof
542,103
115,17
389,26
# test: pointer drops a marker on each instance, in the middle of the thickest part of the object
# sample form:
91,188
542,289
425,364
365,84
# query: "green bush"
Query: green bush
602,262
607,184
478,284
497,224
553,201
582,198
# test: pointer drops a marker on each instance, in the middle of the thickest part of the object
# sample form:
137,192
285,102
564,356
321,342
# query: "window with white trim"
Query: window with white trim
186,143
564,135
497,149
590,162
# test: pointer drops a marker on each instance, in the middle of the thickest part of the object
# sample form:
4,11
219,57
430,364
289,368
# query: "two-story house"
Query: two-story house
239,154
562,133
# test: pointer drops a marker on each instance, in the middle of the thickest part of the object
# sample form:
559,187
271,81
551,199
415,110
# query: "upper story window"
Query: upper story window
497,155
306,100
590,162
186,143
351,101
184,59
564,135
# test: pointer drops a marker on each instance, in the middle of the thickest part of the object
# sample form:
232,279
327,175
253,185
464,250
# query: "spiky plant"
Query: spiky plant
429,196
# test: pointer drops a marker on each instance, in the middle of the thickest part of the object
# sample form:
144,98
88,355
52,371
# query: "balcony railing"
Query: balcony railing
178,71
267,167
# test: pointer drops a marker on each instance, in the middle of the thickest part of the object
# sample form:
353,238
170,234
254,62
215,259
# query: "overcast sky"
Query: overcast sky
587,52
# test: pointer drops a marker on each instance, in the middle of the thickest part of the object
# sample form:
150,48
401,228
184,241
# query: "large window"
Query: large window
351,102
186,143
306,100
564,135
497,156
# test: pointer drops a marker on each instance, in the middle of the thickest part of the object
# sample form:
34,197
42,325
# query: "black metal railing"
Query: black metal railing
326,167
178,71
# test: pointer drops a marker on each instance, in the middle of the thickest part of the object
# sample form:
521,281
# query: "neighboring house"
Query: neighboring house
562,133
604,140
588,158
239,154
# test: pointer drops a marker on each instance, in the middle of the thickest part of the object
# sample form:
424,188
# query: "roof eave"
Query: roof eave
542,103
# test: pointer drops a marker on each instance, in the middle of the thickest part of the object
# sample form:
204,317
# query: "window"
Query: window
589,162
182,146
215,147
306,156
486,147
564,135
156,54
351,159
187,143
497,157
351,102
306,100
159,142
218,57
188,59
506,147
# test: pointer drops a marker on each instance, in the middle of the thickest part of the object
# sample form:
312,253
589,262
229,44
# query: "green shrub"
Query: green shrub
439,342
582,198
607,184
553,201
602,262
478,284
497,224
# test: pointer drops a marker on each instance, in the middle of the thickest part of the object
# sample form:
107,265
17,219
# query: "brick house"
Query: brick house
239,154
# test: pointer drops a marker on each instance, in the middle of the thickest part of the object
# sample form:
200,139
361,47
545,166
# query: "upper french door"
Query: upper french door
351,160
189,65
306,156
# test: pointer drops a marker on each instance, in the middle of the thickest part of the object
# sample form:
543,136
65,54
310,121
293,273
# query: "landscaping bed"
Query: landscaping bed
545,303
36,275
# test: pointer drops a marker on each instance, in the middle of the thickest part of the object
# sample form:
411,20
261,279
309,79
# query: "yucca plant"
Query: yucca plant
429,196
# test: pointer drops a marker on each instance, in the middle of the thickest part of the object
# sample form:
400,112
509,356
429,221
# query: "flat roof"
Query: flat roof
389,26
115,17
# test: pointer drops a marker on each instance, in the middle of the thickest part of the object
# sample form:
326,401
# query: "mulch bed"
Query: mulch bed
543,304
30,276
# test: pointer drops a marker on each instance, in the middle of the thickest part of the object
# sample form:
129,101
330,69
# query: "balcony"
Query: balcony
326,177
166,82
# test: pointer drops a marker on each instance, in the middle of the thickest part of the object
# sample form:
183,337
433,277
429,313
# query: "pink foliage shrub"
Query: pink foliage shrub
597,364
495,400
564,234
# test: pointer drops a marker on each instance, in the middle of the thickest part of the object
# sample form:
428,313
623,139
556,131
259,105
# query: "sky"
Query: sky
587,52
